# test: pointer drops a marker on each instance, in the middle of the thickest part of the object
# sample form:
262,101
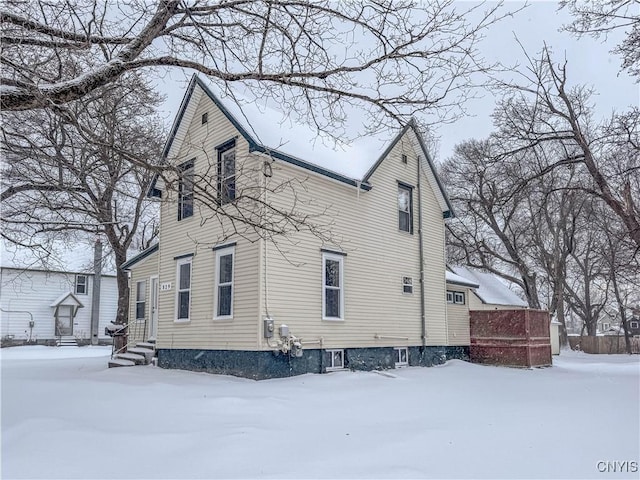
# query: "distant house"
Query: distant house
238,304
47,307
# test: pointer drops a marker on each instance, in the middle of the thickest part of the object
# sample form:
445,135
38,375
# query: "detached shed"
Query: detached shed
514,338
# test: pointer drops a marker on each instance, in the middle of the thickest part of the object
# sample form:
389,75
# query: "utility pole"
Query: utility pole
95,297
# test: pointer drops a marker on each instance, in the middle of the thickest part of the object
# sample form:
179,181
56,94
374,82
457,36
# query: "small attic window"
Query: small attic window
205,117
404,158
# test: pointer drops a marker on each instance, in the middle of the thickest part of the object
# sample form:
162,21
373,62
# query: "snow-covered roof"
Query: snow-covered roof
278,134
490,288
140,256
458,280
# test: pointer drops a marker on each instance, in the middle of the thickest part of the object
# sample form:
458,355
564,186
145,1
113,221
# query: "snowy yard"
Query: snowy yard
74,418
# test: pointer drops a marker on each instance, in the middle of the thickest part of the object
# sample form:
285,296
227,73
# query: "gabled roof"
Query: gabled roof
271,132
139,257
67,298
490,290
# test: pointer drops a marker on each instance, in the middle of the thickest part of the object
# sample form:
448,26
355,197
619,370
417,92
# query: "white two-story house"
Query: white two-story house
342,266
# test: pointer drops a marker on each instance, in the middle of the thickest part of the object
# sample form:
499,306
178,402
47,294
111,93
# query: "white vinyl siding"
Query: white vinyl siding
287,277
178,238
457,317
224,283
332,286
378,256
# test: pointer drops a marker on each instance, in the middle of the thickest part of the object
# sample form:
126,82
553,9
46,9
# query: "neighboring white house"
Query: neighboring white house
39,306
243,305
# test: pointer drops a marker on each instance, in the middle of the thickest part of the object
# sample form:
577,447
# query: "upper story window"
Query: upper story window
332,286
227,172
185,189
224,282
141,299
205,117
183,289
81,287
405,208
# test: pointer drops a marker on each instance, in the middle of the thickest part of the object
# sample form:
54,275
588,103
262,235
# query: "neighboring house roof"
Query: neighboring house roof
458,280
139,257
279,136
67,298
39,270
490,288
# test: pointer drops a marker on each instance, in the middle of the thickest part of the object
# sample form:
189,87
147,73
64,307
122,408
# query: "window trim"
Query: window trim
180,262
409,188
407,284
398,363
222,150
184,168
340,259
85,284
143,301
222,252
332,367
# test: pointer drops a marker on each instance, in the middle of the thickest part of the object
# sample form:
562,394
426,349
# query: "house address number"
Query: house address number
165,286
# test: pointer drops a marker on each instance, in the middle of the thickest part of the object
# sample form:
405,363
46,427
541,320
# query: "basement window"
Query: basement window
334,360
407,285
401,356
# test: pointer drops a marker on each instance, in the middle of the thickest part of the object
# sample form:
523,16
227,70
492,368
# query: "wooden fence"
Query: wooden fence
604,344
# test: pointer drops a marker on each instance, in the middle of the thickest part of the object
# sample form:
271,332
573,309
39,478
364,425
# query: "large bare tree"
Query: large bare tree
543,109
68,173
392,58
602,18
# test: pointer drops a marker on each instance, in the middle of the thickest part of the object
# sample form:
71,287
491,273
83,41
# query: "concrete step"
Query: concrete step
132,357
118,362
67,341
146,352
147,345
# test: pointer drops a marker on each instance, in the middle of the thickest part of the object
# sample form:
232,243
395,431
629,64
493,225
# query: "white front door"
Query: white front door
153,325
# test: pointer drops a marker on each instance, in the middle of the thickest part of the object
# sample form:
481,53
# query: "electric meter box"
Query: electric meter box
284,330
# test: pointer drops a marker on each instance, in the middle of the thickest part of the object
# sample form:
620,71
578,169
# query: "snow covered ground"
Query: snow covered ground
75,418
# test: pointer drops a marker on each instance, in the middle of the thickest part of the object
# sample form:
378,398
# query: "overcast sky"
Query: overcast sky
589,61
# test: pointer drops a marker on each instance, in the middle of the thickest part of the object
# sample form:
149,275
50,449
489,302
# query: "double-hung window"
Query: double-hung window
81,285
183,290
224,283
227,172
185,189
332,286
405,208
141,298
